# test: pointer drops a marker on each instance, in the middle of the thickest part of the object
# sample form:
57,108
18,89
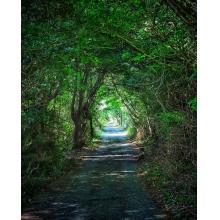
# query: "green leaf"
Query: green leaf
193,104
139,58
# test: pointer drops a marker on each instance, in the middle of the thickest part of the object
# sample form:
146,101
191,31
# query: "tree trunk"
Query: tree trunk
91,127
79,128
83,97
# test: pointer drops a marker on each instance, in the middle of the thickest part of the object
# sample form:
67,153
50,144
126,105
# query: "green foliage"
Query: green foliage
125,55
171,117
139,58
179,195
131,132
193,104
109,107
147,55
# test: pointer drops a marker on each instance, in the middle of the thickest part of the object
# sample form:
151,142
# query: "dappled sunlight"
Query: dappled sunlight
110,157
128,159
132,211
119,174
161,216
115,134
108,101
115,145
106,175
121,144
30,217
114,159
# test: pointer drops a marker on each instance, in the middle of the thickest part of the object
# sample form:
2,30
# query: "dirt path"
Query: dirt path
104,187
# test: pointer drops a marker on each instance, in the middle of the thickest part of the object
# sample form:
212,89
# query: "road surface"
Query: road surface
105,186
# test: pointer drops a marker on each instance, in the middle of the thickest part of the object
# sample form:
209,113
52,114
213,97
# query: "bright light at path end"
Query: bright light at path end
115,134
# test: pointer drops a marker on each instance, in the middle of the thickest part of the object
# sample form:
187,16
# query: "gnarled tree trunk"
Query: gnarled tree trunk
83,97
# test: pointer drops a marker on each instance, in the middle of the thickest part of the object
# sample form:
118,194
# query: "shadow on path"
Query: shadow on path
104,187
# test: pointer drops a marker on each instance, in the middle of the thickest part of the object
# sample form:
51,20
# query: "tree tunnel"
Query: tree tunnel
88,63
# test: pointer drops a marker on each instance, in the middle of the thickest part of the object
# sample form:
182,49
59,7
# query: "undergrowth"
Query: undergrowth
172,184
